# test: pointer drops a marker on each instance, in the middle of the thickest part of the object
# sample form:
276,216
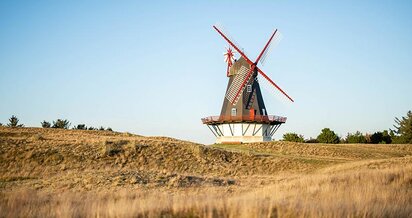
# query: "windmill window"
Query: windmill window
249,88
233,112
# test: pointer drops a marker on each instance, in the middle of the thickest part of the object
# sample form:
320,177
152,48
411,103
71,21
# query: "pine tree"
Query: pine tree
403,129
14,122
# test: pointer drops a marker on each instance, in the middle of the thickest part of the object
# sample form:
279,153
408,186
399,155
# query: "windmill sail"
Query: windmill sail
236,83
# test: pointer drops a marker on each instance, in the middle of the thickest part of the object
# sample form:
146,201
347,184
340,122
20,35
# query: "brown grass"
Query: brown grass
73,173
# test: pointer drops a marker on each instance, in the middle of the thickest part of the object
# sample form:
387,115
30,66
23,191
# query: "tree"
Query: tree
92,128
60,123
403,129
381,137
45,124
386,137
328,136
358,137
14,122
293,137
101,128
109,129
376,137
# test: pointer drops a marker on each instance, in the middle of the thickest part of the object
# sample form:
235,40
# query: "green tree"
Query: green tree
386,137
376,137
328,136
357,137
14,122
293,137
45,124
403,129
381,137
60,123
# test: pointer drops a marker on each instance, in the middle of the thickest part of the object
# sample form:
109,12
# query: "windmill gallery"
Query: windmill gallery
244,117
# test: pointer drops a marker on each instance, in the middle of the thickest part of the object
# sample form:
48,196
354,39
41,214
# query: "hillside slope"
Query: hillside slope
50,161
82,159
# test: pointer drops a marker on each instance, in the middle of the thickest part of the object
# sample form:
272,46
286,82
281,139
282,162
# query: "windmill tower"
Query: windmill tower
244,117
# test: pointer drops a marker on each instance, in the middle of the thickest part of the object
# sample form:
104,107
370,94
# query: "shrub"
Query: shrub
101,128
45,124
92,128
14,122
109,129
311,140
328,136
1,124
80,127
61,124
293,137
111,148
358,137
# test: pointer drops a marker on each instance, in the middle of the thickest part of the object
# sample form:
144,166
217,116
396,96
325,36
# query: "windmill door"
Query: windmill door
252,114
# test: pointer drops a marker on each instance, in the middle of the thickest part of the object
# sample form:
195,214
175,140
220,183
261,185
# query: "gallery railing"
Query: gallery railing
256,118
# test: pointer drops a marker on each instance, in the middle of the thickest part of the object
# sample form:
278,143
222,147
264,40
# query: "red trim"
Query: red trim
233,119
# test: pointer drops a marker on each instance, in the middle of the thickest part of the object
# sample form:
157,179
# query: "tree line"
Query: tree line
59,124
401,134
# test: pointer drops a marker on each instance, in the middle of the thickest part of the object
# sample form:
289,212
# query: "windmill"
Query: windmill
244,117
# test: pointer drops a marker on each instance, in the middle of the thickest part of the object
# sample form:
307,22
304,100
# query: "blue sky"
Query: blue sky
156,68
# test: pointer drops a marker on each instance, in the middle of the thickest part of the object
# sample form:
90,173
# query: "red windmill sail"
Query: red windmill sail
253,70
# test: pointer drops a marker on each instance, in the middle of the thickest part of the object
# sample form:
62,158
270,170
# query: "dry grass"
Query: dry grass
73,173
366,193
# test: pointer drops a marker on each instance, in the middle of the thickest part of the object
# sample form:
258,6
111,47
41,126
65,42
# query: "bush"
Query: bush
45,124
109,129
14,122
101,128
92,128
396,139
358,137
311,140
80,127
328,136
293,137
61,124
111,148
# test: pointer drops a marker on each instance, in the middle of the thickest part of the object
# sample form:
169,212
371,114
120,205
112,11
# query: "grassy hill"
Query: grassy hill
56,172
